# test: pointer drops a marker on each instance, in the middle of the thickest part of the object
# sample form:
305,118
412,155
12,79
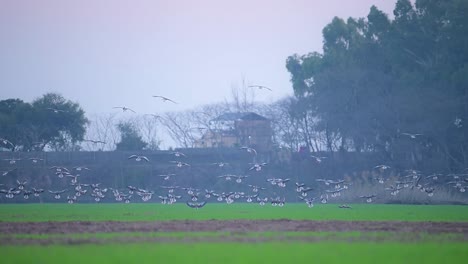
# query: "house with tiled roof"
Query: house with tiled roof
238,129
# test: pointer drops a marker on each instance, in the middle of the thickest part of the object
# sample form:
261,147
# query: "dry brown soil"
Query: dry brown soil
237,228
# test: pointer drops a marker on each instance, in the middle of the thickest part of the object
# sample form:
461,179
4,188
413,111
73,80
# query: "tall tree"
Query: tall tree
130,139
50,120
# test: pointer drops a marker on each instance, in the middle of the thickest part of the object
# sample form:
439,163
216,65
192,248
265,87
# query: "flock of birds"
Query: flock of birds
170,193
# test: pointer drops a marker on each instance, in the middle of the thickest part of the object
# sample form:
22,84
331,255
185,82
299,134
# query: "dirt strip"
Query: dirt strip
7,228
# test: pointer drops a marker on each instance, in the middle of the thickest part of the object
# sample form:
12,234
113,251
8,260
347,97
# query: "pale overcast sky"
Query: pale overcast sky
105,53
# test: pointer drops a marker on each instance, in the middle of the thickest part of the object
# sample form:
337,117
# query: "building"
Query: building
236,130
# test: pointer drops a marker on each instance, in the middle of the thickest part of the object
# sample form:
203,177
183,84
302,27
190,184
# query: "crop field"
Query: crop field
236,233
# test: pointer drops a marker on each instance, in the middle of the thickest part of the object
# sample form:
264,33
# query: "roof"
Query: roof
239,116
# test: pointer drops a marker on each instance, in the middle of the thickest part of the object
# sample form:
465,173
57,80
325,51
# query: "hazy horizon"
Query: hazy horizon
103,54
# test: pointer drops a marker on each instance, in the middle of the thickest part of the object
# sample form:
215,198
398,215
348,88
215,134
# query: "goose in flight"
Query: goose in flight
7,143
368,197
250,150
57,193
195,205
178,154
139,158
166,177
35,160
5,173
180,164
308,201
125,109
94,141
318,159
258,166
165,99
412,136
382,167
261,87
55,110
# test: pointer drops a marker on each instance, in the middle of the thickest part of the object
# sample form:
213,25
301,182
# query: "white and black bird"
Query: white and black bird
164,99
124,108
250,150
5,173
261,87
308,201
55,110
6,143
196,205
411,135
369,198
317,158
139,158
57,193
180,164
95,141
257,166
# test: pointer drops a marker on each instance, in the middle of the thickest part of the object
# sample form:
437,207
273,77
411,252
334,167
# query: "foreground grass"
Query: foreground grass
226,253
159,212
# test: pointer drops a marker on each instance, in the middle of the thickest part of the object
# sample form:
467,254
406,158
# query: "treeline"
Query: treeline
395,87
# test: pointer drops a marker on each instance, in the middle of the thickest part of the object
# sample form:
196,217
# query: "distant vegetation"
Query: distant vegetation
395,88
398,88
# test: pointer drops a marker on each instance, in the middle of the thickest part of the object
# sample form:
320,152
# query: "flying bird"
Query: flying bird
125,108
95,141
413,136
196,205
250,150
260,87
139,158
317,159
55,110
165,99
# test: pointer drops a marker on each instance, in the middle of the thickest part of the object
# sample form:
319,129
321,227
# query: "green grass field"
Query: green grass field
159,212
253,247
